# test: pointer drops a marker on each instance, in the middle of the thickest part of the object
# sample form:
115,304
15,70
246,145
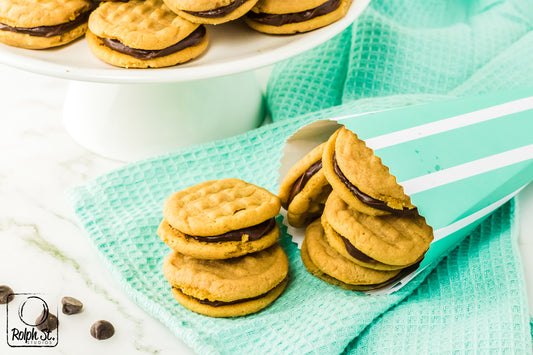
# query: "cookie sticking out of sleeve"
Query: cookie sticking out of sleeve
288,17
360,178
324,262
43,24
143,34
387,242
304,190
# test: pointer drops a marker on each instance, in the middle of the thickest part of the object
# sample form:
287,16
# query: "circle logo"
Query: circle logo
33,311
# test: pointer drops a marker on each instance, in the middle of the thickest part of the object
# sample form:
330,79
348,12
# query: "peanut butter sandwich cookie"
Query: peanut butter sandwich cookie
360,178
304,190
387,242
220,219
324,262
210,12
227,288
287,17
143,34
44,23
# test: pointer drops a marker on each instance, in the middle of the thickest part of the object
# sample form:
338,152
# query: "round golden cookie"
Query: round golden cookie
303,195
106,54
205,11
335,240
219,206
365,173
390,239
143,24
230,310
142,35
285,7
330,262
267,16
315,271
230,280
28,13
214,250
42,24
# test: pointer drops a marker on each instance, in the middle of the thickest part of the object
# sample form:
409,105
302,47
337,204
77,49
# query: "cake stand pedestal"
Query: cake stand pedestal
135,121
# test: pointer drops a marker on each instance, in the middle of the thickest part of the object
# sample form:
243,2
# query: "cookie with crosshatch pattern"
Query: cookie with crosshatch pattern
288,17
43,24
324,262
143,34
227,288
379,242
220,219
212,12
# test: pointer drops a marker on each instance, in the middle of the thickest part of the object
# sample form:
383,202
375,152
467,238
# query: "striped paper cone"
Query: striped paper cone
458,160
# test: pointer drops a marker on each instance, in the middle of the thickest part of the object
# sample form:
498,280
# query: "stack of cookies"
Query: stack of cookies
362,230
153,33
226,261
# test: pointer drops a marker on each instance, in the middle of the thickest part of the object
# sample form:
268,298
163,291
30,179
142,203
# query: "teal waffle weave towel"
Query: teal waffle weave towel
398,53
121,211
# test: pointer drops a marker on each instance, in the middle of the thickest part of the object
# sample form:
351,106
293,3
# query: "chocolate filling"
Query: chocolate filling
191,40
364,198
221,303
299,184
49,31
254,233
395,279
283,19
218,12
356,253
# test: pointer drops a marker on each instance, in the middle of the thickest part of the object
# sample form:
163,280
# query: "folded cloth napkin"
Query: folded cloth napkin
398,53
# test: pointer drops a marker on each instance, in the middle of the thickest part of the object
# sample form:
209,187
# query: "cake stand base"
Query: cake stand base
134,121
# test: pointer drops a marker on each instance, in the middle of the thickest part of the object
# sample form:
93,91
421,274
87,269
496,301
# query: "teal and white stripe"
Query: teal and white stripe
443,125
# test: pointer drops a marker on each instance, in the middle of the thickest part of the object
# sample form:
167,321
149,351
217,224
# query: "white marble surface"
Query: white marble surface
43,250
41,247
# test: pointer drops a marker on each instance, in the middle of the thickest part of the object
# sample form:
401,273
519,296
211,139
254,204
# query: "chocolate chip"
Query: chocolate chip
6,294
47,321
102,329
71,305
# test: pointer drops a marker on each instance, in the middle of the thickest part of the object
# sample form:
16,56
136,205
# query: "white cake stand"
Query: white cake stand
129,114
